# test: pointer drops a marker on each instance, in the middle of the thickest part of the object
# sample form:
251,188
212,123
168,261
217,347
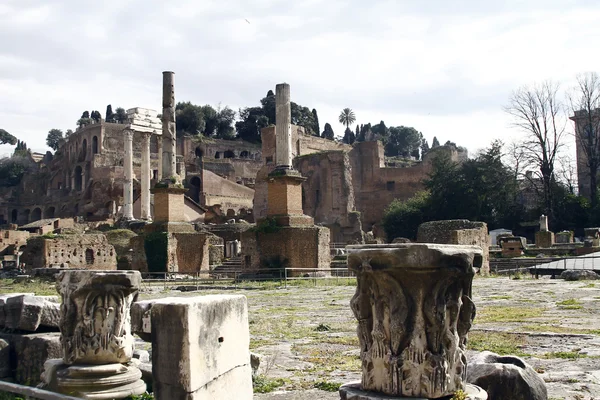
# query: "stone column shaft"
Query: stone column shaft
128,183
159,151
169,136
283,127
145,184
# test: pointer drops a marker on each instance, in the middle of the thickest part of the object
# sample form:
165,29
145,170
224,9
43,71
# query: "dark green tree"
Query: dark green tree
96,116
120,115
225,120
109,114
53,139
189,118
357,132
253,119
12,171
435,143
85,114
424,148
402,218
328,132
349,137
68,133
403,141
7,138
316,127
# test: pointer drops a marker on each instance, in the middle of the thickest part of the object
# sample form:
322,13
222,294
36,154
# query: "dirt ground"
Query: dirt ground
306,334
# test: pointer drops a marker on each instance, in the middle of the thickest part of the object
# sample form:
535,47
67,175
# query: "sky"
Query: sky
445,68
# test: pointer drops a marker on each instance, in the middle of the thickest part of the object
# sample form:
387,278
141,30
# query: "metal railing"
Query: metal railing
32,393
252,278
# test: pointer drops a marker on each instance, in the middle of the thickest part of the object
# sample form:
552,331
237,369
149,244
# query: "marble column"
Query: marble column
414,310
96,338
169,136
543,223
145,172
128,183
159,151
283,126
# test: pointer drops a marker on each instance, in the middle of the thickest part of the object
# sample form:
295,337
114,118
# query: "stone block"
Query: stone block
200,348
28,313
5,370
505,377
28,353
578,275
3,299
544,239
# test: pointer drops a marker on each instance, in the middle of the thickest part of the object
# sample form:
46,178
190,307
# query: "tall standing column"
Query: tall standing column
169,135
159,151
283,127
128,184
145,184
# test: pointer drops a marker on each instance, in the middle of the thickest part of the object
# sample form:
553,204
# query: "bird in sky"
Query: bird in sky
247,20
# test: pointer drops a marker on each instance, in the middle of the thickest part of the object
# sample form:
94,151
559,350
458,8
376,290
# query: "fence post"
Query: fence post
285,272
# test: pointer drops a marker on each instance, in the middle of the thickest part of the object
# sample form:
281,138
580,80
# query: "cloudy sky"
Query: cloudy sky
445,67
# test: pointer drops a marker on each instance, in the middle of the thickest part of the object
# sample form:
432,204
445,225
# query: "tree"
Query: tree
68,133
7,138
537,113
12,171
347,117
328,132
348,136
402,218
424,148
357,132
585,106
403,141
435,143
225,119
53,139
96,116
316,127
21,149
252,121
189,118
85,114
120,115
109,116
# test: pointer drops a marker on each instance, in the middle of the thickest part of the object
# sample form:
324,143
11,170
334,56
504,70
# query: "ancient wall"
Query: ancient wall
192,252
230,195
458,231
288,247
12,238
89,251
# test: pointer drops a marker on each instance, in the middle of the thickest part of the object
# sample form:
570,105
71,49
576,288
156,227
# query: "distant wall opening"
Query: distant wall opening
229,154
36,215
95,145
89,256
50,211
78,178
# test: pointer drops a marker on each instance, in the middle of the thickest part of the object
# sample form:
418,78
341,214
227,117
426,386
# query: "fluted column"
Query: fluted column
283,127
145,172
169,136
128,184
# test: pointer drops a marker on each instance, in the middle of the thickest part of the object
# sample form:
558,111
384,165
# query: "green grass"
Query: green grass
499,298
569,304
559,329
496,342
264,384
36,286
493,313
327,386
565,355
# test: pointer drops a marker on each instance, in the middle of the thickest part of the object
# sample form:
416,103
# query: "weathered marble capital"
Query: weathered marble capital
95,319
414,310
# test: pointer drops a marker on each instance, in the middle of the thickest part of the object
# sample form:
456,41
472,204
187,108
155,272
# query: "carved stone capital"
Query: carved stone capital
414,310
95,319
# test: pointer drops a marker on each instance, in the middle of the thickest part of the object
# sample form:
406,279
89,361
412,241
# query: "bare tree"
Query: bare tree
567,172
584,101
538,113
515,158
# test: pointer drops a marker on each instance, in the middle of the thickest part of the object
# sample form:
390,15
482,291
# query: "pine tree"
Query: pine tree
109,114
435,143
328,132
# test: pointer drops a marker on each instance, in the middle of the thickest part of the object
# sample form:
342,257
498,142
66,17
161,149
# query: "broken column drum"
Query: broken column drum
414,310
96,337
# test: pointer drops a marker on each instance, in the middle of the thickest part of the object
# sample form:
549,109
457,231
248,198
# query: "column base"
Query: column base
353,391
109,381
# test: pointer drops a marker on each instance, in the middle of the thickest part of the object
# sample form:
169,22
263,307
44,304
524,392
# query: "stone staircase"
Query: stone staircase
230,267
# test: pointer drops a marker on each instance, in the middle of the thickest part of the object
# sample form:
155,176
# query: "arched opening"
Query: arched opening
13,216
199,152
89,256
229,154
50,211
78,178
218,154
230,213
84,149
244,154
111,208
36,215
95,145
196,187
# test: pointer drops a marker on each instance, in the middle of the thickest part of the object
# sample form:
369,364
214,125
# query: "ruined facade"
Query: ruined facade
85,176
348,187
89,251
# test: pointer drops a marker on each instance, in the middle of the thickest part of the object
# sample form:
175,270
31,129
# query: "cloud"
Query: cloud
445,68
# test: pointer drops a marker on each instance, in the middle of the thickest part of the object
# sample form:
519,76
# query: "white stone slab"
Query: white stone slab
200,348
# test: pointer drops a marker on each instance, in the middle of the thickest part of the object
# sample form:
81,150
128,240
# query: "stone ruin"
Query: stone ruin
414,310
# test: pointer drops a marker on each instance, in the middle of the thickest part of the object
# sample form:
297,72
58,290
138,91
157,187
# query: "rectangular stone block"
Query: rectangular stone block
28,353
3,299
28,313
200,348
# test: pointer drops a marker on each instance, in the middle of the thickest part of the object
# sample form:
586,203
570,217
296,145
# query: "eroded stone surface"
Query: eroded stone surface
579,275
506,377
28,313
95,316
414,310
353,391
3,299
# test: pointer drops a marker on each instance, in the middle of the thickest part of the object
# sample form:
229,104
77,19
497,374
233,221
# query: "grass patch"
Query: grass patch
559,329
326,360
569,304
36,286
327,386
497,342
589,285
499,298
565,355
508,314
263,384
